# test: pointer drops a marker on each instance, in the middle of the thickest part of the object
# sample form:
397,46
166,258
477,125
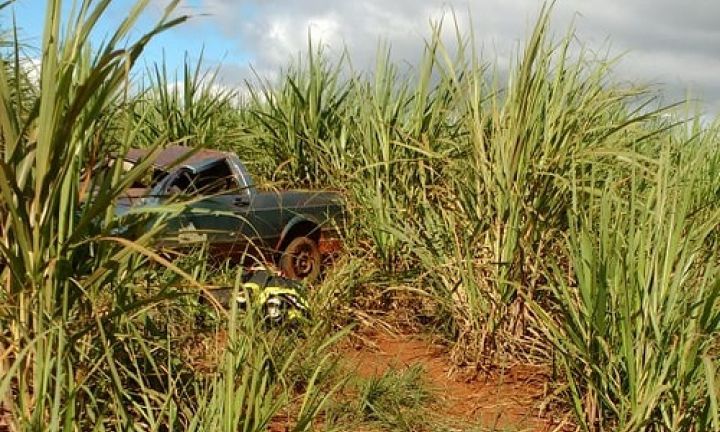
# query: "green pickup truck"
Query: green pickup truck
223,208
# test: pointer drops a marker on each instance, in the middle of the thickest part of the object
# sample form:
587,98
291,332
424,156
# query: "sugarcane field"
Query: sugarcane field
370,216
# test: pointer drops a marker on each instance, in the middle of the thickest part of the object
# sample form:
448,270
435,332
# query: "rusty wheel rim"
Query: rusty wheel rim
303,263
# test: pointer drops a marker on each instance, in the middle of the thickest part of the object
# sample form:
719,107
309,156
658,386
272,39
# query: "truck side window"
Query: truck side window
215,179
183,184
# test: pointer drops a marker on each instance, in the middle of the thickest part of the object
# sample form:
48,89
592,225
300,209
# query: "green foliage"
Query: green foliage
472,182
545,214
193,109
94,327
396,400
638,318
297,121
57,251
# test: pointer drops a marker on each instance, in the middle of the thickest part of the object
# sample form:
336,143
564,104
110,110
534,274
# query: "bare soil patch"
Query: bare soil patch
508,400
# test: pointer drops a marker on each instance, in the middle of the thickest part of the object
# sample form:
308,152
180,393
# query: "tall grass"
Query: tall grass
191,109
638,318
469,183
56,243
294,121
545,214
527,146
92,329
464,176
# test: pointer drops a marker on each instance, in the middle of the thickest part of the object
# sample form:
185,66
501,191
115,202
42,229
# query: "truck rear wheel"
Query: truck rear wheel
301,259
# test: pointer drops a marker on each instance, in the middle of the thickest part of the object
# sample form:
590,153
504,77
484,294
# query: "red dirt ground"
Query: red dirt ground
510,400
506,401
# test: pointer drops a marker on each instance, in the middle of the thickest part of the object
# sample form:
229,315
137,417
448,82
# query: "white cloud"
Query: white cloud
31,65
667,41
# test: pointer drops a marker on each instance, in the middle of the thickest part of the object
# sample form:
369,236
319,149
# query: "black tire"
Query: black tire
301,259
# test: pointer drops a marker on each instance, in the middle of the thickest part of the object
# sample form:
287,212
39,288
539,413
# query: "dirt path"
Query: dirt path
508,401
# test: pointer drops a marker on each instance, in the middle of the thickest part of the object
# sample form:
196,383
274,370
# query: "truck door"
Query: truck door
215,212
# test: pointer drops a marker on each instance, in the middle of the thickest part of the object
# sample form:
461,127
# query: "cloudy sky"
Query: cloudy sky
672,44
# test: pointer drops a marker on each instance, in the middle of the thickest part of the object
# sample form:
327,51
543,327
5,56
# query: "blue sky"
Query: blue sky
671,45
200,35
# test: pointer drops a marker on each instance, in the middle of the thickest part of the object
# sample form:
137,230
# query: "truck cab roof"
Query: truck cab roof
176,155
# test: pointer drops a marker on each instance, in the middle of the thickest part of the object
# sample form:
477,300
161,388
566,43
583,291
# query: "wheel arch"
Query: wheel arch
299,226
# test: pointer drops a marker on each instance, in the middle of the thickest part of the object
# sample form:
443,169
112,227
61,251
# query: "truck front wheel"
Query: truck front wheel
301,259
